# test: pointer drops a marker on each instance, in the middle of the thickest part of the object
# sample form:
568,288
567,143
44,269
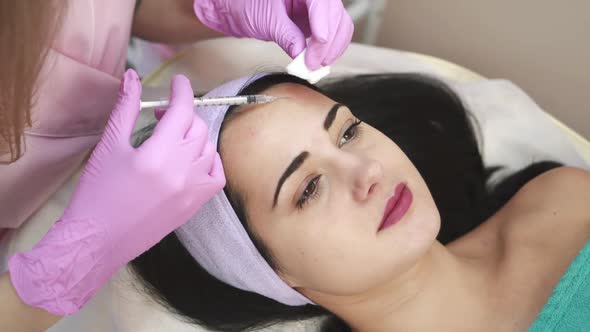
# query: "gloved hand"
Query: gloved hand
286,22
127,200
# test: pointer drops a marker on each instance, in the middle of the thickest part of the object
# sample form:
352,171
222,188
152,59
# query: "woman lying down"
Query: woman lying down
365,200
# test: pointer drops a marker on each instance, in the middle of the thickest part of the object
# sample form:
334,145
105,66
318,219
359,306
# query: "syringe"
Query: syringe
216,101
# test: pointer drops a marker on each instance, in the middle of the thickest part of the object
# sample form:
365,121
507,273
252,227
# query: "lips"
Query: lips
397,206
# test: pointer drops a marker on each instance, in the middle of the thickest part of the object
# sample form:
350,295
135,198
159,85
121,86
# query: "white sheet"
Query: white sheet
514,133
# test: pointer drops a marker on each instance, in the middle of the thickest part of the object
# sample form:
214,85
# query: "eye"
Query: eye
310,193
351,133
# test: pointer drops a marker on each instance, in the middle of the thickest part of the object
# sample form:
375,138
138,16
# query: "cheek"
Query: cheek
340,253
425,220
334,255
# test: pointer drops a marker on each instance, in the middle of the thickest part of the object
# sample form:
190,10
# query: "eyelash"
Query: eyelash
313,188
306,197
354,131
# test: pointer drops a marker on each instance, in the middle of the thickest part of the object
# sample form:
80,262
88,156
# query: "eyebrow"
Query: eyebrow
300,159
331,116
295,164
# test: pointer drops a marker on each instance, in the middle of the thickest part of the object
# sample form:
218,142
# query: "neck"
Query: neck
443,290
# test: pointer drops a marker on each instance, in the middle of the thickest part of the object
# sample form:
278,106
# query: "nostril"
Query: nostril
372,188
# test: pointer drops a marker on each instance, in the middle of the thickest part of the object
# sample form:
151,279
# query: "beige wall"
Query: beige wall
543,46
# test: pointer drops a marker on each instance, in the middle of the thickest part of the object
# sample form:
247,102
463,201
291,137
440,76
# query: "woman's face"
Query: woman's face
320,192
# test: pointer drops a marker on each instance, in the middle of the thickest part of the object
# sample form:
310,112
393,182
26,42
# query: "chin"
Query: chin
427,226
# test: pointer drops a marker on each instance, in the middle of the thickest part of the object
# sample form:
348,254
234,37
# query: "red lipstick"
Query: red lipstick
397,206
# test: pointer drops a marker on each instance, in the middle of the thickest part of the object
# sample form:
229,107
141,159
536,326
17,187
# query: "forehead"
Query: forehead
263,139
300,108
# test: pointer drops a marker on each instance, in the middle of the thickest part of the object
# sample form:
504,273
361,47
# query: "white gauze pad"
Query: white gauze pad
299,69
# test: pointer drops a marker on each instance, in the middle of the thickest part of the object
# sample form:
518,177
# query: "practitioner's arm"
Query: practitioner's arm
16,315
172,22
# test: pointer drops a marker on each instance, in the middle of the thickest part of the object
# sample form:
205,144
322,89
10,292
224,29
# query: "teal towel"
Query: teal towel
568,308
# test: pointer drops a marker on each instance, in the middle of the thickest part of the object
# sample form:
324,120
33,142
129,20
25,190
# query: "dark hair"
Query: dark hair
425,119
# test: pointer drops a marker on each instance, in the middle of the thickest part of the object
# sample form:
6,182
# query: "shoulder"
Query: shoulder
546,210
559,188
552,206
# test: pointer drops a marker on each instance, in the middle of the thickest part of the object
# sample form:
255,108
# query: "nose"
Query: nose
368,173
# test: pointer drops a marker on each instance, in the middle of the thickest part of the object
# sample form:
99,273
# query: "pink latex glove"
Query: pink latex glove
127,200
286,22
